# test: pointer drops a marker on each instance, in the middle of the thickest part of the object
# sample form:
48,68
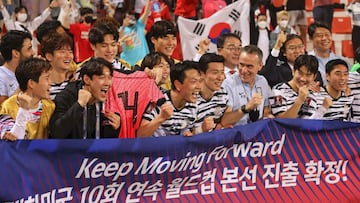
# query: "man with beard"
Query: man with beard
15,47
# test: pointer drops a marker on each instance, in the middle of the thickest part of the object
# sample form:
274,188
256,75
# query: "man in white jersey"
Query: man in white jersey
58,50
294,99
178,114
15,47
212,100
337,76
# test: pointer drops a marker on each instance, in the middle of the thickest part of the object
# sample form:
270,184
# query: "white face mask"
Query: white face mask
283,23
262,24
22,17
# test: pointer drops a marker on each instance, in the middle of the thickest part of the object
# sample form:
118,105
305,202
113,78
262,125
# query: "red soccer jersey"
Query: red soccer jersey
186,8
82,48
163,14
130,94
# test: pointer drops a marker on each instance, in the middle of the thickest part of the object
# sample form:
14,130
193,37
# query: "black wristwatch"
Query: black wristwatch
243,109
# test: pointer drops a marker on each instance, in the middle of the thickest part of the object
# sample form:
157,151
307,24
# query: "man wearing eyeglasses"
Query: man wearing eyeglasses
320,34
280,63
229,45
248,92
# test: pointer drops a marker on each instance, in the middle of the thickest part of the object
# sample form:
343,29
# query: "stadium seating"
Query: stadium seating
347,49
342,25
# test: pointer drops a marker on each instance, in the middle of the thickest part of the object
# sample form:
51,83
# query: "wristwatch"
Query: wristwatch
243,109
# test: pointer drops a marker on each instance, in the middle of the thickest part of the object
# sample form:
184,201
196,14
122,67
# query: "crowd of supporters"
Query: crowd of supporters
113,69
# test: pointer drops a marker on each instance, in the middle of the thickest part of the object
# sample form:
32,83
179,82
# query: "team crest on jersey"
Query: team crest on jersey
184,123
307,101
278,100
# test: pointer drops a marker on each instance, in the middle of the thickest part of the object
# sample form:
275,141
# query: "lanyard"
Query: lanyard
97,125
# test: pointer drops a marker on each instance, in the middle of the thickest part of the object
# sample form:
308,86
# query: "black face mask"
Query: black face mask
89,19
254,115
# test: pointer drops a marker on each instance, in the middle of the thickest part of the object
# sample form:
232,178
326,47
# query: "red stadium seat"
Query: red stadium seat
277,3
347,49
333,47
308,5
341,25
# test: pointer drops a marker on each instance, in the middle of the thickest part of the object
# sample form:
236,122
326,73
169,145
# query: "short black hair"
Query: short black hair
47,28
85,10
223,37
30,69
309,61
18,9
162,28
153,59
95,66
13,39
330,65
312,27
288,38
98,31
209,58
56,42
178,72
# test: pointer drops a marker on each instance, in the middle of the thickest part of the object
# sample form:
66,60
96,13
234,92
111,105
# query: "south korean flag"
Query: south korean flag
233,18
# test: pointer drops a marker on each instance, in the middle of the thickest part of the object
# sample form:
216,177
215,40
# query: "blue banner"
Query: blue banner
273,160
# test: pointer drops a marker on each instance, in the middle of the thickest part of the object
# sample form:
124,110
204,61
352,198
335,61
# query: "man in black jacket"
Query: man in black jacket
78,113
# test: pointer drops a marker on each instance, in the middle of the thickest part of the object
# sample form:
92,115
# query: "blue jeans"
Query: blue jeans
324,14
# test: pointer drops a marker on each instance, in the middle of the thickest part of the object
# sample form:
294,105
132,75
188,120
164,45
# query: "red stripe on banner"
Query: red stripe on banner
344,189
306,186
230,195
207,168
356,160
281,194
218,188
287,153
331,195
356,143
335,188
294,190
307,191
257,195
291,192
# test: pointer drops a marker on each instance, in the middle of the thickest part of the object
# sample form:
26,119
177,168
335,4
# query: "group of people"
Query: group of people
138,93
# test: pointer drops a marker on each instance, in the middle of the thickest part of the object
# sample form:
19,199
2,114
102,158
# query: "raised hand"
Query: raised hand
84,97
